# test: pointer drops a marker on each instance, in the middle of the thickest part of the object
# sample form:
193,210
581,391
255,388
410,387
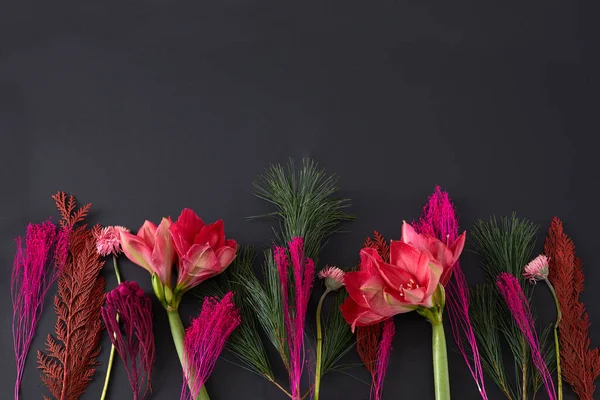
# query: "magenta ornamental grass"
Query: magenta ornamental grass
127,315
438,219
383,358
519,307
204,341
303,271
38,262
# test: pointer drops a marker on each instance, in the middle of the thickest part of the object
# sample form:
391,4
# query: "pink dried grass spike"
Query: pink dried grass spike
438,218
205,340
519,307
303,271
383,358
127,315
36,267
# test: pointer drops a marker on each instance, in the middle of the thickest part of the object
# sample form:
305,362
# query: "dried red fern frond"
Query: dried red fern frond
379,243
70,362
369,338
580,364
67,205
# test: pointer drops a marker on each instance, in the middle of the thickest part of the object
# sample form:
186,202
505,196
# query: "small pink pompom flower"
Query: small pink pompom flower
334,277
108,240
537,269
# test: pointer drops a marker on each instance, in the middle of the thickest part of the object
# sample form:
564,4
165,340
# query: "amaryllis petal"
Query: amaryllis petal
355,315
369,258
213,234
226,255
360,284
163,254
201,255
185,229
410,259
146,233
137,250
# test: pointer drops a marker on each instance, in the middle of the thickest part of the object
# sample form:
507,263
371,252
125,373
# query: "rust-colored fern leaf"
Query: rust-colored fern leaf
379,243
70,359
367,344
368,337
580,364
67,205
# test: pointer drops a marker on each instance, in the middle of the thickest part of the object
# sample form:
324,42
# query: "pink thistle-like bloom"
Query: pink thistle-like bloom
537,269
108,240
204,341
127,315
333,276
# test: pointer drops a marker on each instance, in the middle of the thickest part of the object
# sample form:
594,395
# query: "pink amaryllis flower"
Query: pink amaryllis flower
204,341
108,240
39,260
203,250
381,290
152,249
127,315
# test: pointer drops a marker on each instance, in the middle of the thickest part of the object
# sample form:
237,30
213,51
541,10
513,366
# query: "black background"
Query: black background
143,108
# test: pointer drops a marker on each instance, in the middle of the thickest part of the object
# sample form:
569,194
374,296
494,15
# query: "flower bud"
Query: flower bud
158,287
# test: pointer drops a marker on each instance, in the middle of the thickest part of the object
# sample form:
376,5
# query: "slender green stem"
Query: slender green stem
556,342
178,333
440,362
319,345
524,368
112,348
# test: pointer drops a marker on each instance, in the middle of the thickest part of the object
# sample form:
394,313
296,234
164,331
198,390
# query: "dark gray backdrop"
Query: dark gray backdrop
144,108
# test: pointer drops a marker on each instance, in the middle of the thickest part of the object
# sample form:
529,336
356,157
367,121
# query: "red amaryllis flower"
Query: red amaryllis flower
151,248
380,290
445,255
203,250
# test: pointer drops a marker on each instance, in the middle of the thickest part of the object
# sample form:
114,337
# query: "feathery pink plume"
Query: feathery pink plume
438,218
303,270
108,240
383,358
519,307
127,315
205,340
36,267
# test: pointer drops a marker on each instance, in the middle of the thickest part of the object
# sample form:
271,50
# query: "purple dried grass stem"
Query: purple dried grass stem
303,271
205,340
36,267
438,218
383,358
127,315
518,305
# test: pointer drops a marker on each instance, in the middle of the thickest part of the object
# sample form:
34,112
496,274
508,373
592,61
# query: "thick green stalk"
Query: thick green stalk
319,346
112,348
178,333
440,362
556,343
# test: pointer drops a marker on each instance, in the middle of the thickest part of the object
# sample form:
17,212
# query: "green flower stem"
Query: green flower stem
440,361
319,345
112,348
178,333
556,343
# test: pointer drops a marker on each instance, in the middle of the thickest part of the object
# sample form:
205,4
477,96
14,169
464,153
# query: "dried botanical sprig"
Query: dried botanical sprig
438,218
383,358
580,364
38,262
71,357
205,339
131,334
303,272
518,305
